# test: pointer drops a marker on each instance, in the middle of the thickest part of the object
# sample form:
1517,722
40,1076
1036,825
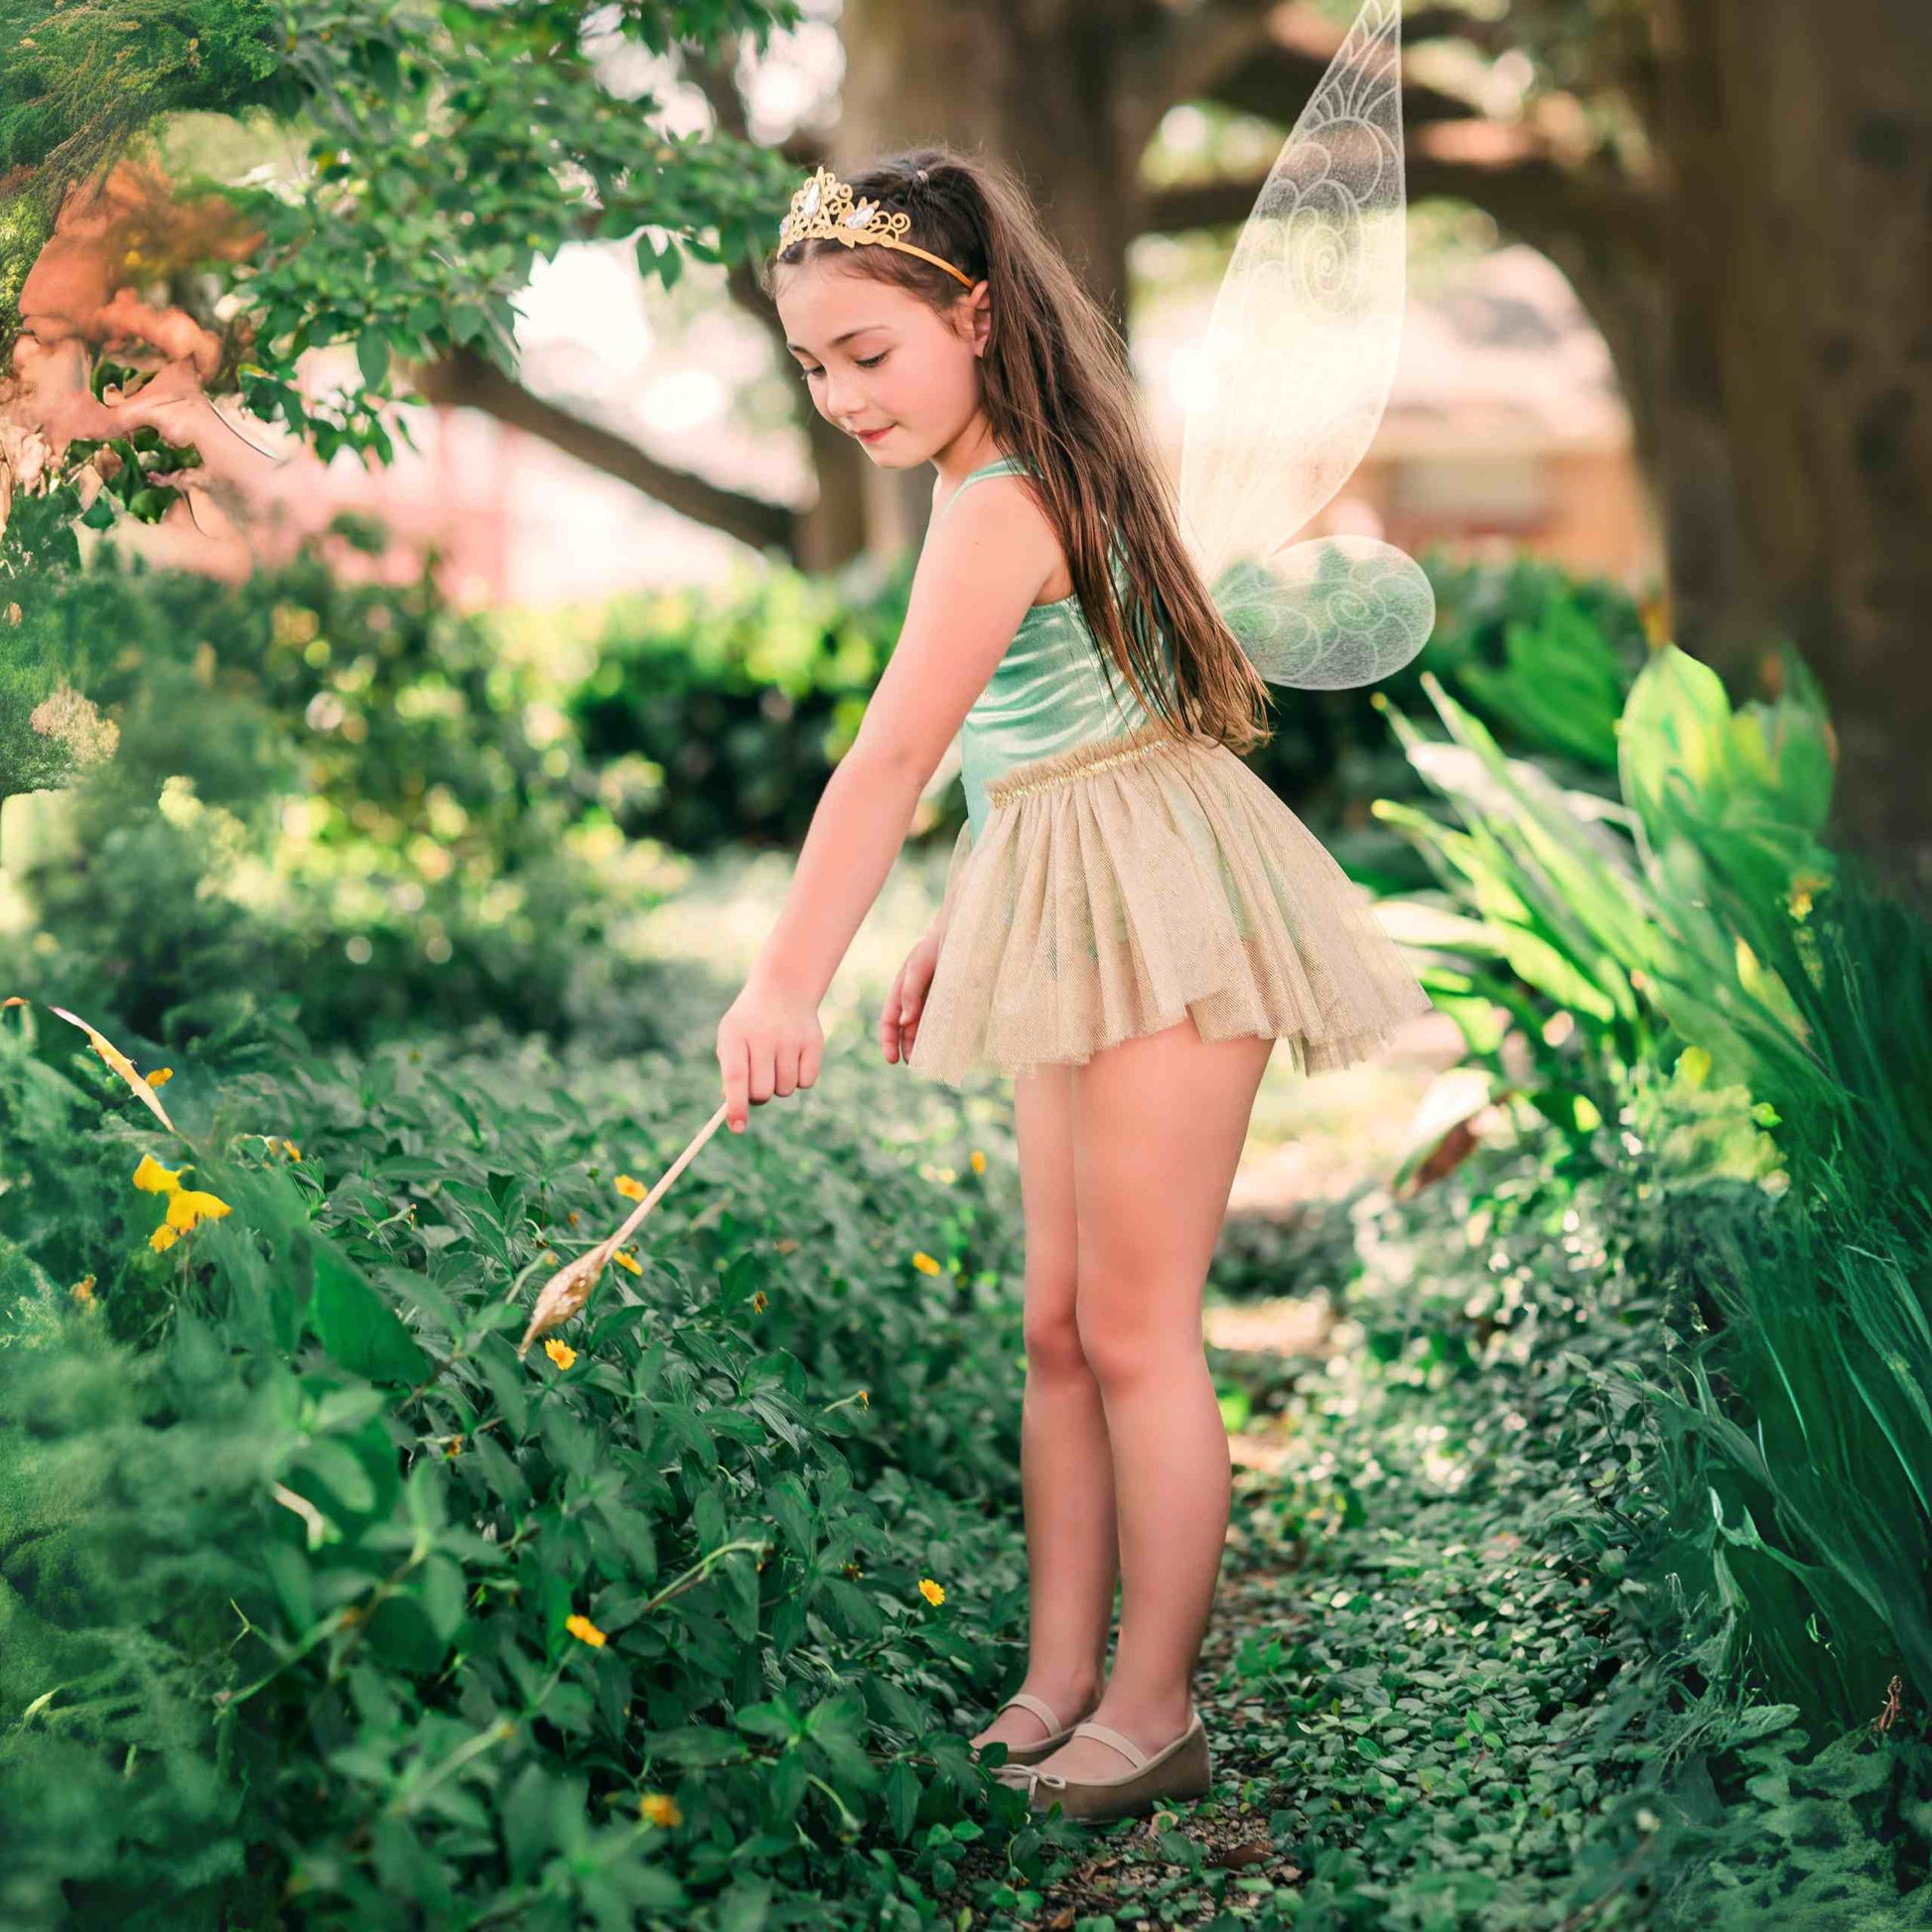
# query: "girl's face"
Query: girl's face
880,364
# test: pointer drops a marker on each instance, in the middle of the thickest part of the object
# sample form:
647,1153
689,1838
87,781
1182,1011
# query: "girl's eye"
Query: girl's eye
864,361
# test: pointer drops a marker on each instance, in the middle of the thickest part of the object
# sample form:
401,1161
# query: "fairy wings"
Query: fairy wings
1294,373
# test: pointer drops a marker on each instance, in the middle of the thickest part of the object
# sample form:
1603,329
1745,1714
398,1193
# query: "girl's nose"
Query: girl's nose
842,400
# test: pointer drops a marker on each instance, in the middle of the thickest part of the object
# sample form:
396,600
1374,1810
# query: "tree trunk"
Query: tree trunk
1798,153
1029,83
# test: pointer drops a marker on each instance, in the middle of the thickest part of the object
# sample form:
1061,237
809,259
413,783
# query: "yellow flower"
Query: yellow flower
759,1303
83,1291
560,1353
187,1208
163,1238
979,1162
930,1591
925,1263
455,1450
160,1077
661,1809
864,1401
631,1189
152,1178
585,1631
628,1261
1802,887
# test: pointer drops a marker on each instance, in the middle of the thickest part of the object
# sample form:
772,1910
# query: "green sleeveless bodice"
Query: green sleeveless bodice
1049,692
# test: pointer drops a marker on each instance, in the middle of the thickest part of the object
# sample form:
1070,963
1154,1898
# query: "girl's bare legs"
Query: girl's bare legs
1065,1464
1158,1124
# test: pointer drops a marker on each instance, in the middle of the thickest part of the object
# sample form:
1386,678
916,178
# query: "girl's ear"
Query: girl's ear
979,315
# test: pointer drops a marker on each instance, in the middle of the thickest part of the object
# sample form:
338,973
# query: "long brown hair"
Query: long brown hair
1058,393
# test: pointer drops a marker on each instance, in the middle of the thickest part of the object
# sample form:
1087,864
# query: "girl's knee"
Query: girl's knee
1122,1346
1051,1332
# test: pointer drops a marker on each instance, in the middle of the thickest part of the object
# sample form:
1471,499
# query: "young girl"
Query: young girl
1131,917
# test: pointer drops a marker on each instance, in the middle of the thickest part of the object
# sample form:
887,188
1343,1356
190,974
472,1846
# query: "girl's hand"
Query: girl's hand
899,1022
769,1042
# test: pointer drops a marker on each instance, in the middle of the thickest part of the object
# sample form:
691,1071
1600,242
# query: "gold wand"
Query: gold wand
567,1291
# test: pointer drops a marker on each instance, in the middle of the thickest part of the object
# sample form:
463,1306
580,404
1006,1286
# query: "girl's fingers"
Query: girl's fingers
735,1069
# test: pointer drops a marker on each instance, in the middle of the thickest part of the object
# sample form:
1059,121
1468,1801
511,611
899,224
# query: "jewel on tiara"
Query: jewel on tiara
824,208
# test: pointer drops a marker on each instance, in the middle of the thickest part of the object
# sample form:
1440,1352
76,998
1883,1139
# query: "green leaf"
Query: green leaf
903,1798
353,1322
341,1469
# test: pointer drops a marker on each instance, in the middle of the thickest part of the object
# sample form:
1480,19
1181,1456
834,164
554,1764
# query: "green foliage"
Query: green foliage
80,82
1692,963
447,149
294,1542
327,802
455,147
718,716
1606,1525
30,671
1488,1697
1545,658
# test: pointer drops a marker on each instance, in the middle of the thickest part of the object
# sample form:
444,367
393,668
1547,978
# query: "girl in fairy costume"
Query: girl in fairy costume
1131,918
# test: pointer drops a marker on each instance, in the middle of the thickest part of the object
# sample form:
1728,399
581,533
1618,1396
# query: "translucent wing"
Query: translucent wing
1294,374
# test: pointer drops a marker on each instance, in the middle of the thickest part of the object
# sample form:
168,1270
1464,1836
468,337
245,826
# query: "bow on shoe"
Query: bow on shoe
1028,1779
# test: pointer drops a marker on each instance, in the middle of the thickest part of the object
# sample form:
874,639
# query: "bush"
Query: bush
718,717
322,1602
335,806
1690,967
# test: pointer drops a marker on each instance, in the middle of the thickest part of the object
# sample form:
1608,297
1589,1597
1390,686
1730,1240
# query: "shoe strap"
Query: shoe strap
1040,1708
1109,1735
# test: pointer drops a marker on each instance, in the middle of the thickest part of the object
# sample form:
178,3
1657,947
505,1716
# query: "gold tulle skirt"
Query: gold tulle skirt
1121,886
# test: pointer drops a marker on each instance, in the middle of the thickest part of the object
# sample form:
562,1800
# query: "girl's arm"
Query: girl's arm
983,565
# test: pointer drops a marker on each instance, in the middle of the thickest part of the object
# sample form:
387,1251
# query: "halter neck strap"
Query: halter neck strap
1000,465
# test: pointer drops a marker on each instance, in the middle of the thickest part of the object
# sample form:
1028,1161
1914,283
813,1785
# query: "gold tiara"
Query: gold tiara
823,209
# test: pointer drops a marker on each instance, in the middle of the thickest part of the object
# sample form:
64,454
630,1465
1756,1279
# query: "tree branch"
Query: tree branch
468,380
1534,197
1278,76
1257,55
1453,24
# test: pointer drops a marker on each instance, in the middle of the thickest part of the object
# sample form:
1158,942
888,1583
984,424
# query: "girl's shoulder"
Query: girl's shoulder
1012,466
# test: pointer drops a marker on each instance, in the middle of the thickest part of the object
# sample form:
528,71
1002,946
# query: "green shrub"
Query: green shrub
1690,965
292,1541
717,716
337,805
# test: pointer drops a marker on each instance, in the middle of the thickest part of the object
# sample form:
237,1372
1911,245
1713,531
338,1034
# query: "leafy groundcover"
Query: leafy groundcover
316,1600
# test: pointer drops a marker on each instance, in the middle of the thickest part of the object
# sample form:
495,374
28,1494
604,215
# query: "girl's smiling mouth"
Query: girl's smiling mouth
873,435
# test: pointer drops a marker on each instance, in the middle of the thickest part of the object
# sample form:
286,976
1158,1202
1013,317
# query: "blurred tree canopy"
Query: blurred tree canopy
438,152
1737,198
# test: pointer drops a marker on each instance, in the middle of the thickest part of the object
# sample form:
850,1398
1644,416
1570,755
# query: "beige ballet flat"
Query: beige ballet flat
1057,1733
1181,1769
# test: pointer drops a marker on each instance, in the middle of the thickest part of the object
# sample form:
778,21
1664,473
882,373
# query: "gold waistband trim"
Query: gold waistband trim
1081,761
